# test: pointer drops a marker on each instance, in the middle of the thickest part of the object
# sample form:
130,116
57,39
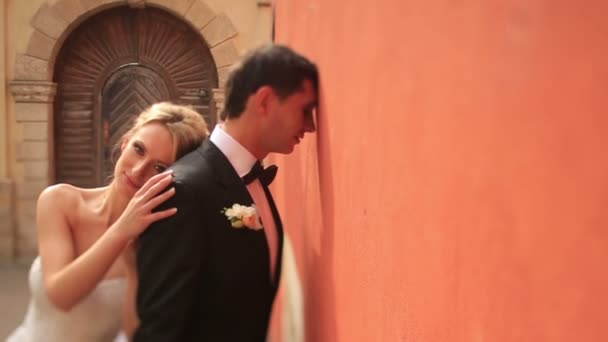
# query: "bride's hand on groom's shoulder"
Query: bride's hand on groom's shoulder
138,214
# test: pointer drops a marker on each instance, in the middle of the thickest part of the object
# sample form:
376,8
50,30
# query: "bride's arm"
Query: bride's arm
68,277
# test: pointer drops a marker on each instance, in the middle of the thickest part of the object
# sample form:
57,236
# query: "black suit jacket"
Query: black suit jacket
200,279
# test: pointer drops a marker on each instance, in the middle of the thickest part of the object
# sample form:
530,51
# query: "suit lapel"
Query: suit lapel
222,168
236,192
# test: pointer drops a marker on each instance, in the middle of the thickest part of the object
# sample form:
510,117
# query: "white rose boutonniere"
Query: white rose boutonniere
242,216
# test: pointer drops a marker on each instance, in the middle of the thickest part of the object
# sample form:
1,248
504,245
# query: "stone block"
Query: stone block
218,30
35,131
95,4
30,190
27,111
26,229
7,248
26,250
69,10
6,192
222,75
32,150
178,7
36,169
40,45
200,14
27,208
225,54
137,3
6,220
31,68
48,22
26,237
219,95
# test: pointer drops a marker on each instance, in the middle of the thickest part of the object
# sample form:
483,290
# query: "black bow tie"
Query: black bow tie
266,175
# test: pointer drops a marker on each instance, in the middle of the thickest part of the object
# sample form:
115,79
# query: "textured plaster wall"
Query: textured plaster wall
456,189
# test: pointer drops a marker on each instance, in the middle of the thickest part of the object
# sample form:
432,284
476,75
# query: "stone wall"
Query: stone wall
7,220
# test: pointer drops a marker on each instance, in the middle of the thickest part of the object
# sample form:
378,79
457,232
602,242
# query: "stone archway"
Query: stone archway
53,24
34,91
112,66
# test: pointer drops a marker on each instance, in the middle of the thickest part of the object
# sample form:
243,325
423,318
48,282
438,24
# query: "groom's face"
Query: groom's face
292,117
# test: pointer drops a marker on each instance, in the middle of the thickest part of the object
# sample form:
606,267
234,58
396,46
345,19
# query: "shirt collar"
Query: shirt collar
241,159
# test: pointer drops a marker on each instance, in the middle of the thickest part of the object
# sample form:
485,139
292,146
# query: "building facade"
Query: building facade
75,71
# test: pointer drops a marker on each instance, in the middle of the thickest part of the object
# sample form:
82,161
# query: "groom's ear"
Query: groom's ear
263,99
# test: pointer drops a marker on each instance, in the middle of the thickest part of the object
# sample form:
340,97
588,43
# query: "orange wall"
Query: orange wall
457,189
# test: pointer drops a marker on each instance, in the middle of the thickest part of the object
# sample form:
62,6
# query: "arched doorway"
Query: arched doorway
111,67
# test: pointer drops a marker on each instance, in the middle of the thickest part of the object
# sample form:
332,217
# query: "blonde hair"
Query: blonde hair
187,127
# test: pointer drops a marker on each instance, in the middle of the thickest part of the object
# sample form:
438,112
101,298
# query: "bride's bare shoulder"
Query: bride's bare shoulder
59,191
60,195
68,196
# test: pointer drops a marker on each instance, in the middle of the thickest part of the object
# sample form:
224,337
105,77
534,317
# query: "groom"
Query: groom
211,271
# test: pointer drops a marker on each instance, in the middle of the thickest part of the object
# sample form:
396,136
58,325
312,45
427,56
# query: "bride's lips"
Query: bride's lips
130,182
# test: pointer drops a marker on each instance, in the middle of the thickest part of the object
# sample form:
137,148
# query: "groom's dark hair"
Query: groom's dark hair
274,65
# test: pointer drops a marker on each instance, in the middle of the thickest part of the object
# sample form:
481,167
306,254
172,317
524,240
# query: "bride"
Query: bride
84,281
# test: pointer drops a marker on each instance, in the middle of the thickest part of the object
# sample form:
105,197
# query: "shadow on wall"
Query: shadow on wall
319,287
306,303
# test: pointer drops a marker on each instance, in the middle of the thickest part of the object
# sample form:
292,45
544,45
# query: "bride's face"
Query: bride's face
148,152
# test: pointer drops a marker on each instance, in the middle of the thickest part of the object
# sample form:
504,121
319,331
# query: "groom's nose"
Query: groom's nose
309,122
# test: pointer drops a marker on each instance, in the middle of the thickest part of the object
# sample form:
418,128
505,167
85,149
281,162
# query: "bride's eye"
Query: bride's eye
160,168
138,148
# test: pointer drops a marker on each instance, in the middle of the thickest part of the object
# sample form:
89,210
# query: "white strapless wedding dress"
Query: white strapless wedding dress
97,318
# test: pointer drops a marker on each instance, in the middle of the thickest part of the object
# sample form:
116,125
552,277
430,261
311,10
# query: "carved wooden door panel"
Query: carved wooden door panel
129,90
111,67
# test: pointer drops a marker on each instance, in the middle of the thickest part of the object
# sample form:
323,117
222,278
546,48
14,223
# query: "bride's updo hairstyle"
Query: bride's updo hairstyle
187,127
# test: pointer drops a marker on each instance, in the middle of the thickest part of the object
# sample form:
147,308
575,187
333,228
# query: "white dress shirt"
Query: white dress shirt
242,161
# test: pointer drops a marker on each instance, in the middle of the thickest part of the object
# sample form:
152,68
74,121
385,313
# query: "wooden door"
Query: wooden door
129,90
110,68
